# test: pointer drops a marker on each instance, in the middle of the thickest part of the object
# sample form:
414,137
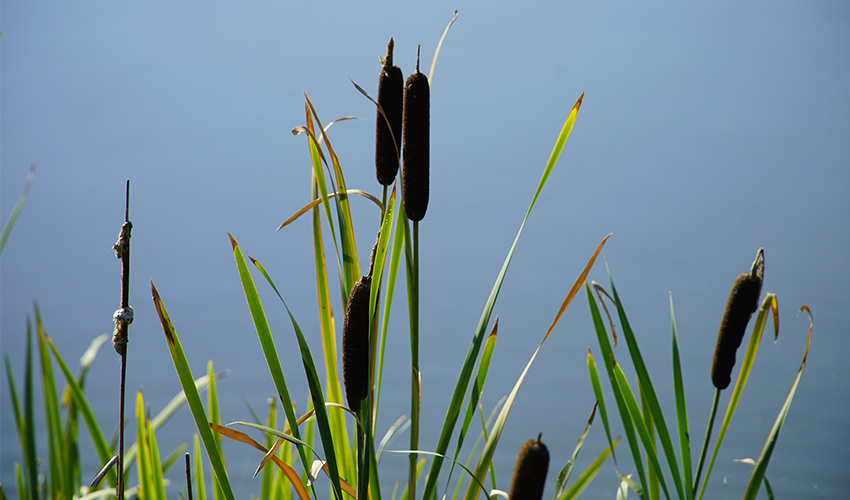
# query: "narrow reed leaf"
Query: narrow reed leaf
143,462
477,388
648,392
193,399
608,358
379,264
768,304
346,227
532,465
600,402
98,440
764,459
20,424
156,463
439,46
588,474
564,475
29,448
264,335
167,412
388,120
462,385
493,439
681,409
306,208
10,222
200,482
288,471
640,424
59,478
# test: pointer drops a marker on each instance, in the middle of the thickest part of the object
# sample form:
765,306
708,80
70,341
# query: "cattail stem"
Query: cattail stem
123,317
415,381
707,439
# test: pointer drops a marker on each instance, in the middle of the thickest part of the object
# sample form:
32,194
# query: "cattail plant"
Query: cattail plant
532,464
355,344
388,127
417,123
743,302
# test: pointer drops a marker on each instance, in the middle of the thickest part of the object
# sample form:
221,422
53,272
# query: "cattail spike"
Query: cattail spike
417,123
355,344
388,123
532,464
743,302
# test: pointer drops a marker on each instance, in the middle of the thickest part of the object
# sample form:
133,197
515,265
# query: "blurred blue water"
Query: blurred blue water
706,132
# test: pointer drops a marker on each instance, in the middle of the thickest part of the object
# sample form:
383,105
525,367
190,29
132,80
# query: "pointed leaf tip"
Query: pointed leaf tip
232,241
578,103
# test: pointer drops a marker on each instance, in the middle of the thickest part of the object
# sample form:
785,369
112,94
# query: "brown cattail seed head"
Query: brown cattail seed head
355,344
417,123
391,98
532,463
742,303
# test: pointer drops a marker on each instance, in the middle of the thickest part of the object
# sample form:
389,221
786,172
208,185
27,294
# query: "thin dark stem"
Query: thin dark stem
123,317
188,478
707,439
416,390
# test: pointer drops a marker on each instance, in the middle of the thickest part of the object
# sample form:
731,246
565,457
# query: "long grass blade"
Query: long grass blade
564,475
593,372
608,359
640,425
193,399
588,474
764,459
104,452
316,393
59,477
143,463
493,439
7,228
437,51
462,385
681,408
264,334
648,392
306,208
288,471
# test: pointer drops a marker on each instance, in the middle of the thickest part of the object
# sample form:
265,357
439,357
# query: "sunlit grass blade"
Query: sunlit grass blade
143,462
593,372
267,343
288,471
648,392
59,478
640,425
346,228
167,412
681,409
608,360
439,46
769,303
316,393
377,277
7,228
200,489
588,474
495,433
564,475
453,411
24,422
306,208
764,459
193,399
477,388
156,461
104,452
